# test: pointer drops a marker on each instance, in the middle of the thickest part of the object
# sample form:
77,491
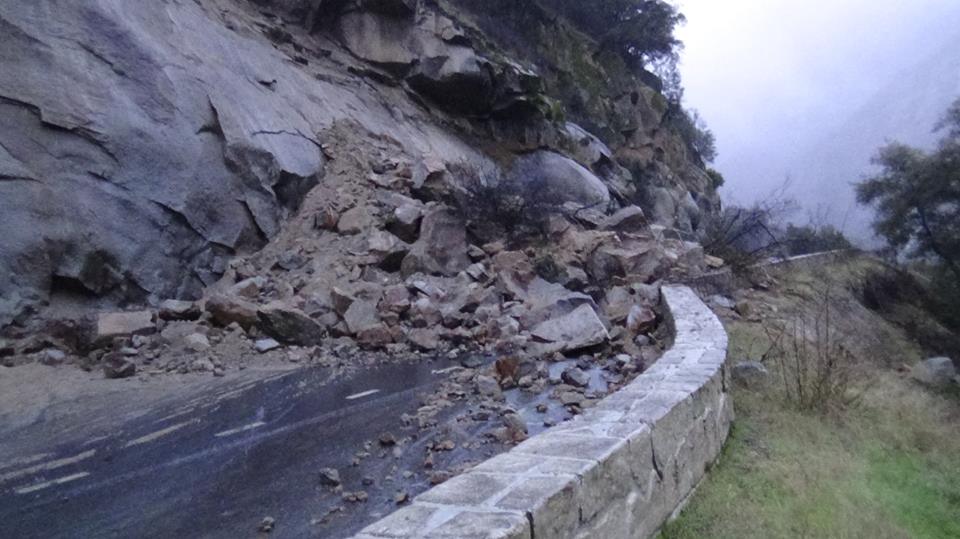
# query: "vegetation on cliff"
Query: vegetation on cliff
916,195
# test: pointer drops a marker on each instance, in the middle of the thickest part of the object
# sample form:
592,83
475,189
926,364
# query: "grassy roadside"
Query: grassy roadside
887,467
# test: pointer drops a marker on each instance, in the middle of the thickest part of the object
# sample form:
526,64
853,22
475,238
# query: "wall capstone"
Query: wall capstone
617,471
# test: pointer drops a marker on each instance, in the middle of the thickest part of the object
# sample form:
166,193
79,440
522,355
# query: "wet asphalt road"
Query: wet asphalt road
216,464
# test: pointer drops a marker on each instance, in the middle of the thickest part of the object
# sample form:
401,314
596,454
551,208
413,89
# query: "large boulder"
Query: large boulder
555,179
289,325
460,80
389,42
442,246
124,324
579,329
639,259
936,372
226,310
584,147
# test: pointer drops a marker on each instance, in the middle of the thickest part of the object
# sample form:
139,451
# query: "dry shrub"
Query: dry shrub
746,236
925,308
816,369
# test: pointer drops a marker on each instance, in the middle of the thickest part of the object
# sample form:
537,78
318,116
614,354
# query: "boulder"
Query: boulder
289,325
555,179
721,302
580,329
375,336
515,271
478,272
429,170
626,219
226,310
458,80
424,313
356,220
749,372
265,345
641,260
618,302
502,328
396,299
248,288
424,339
405,222
172,309
937,372
197,342
575,377
543,300
713,262
52,357
428,286
362,316
342,299
116,365
290,261
326,219
124,324
487,386
516,427
584,147
442,246
388,250
329,477
389,42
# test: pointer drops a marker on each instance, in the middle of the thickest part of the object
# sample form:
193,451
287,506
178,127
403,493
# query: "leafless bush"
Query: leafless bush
496,209
816,370
745,236
925,308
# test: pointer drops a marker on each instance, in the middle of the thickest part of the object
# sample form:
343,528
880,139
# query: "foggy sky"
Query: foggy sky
808,88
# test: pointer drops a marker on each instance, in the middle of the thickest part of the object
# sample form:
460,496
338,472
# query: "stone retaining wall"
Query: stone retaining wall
617,471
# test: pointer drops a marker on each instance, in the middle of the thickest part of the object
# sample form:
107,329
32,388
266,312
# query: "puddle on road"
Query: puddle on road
526,403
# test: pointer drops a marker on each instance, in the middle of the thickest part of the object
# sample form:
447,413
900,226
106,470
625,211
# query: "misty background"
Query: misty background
808,90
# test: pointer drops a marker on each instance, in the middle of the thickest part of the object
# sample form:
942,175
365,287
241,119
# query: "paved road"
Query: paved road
214,464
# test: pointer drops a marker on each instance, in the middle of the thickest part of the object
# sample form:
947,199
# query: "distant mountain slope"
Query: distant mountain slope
905,110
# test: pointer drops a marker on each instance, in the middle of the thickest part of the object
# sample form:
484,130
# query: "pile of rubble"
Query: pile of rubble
382,258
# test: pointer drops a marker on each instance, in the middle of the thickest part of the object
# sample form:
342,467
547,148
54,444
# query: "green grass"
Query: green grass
922,495
888,467
873,473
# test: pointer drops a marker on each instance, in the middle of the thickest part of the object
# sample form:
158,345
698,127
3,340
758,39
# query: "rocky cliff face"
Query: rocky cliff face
144,145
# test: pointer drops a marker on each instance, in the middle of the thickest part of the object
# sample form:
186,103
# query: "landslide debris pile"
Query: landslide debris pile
249,176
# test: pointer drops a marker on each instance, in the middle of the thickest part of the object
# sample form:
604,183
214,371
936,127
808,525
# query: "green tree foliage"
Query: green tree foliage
694,131
916,195
716,178
640,31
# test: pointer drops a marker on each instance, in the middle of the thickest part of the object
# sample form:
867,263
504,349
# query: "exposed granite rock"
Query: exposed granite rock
289,325
559,179
577,330
442,246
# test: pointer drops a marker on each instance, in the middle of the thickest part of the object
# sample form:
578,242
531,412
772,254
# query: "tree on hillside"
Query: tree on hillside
640,31
916,195
694,131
